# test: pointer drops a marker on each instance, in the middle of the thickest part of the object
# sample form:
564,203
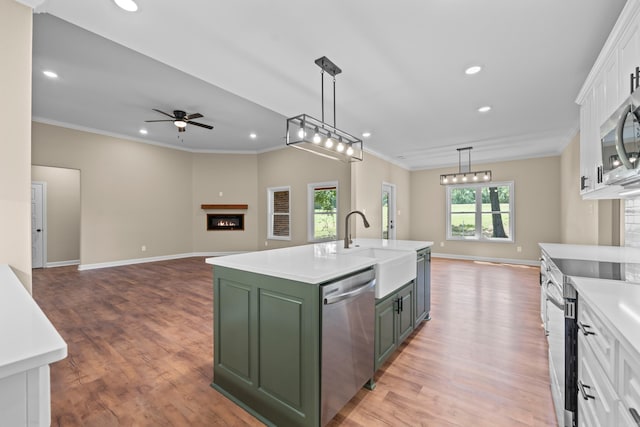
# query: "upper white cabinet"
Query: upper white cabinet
607,86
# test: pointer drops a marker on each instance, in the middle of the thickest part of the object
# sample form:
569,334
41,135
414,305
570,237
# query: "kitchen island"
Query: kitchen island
268,320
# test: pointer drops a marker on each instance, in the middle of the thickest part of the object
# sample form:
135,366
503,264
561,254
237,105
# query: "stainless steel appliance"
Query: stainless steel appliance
620,144
348,328
561,324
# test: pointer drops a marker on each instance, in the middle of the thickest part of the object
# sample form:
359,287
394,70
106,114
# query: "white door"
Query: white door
388,211
37,225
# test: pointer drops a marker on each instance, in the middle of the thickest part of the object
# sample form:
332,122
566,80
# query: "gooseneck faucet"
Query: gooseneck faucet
347,235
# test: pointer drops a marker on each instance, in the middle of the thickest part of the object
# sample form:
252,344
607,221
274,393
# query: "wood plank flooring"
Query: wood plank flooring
140,351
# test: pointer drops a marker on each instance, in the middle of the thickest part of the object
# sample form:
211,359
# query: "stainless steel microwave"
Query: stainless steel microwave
620,143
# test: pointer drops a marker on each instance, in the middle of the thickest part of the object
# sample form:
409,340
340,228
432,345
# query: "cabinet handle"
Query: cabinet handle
398,302
585,329
583,182
582,388
635,416
401,305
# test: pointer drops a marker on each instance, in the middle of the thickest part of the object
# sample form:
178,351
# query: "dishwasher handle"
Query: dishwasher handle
332,299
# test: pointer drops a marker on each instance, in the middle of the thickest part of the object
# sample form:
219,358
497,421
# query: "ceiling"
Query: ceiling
248,65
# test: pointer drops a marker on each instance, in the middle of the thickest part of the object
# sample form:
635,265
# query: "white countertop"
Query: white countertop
592,252
616,301
314,263
27,338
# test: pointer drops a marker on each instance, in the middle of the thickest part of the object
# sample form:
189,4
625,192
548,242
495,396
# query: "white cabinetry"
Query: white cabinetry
608,373
606,87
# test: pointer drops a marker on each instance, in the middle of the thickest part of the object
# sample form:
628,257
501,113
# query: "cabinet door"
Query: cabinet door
589,143
386,337
596,398
405,316
628,51
420,289
629,379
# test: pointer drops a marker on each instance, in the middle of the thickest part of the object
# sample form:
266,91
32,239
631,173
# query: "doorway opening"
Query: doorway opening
388,211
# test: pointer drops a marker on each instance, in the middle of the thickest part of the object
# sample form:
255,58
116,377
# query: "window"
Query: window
480,212
323,211
279,213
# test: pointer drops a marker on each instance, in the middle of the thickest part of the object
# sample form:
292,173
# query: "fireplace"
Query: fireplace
225,221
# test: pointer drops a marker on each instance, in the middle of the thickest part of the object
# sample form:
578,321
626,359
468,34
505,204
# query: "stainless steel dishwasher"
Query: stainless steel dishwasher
348,328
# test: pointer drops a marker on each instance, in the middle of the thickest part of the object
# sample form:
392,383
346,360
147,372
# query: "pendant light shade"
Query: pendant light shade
316,136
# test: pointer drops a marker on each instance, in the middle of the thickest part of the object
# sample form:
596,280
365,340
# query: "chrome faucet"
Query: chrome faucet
347,235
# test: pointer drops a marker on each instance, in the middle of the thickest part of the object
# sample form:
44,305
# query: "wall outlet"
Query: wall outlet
266,243
143,248
519,249
220,194
442,244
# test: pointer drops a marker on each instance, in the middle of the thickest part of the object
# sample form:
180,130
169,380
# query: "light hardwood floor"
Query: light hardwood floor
140,351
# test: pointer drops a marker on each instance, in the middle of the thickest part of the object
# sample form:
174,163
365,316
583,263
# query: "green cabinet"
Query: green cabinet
267,346
423,286
394,322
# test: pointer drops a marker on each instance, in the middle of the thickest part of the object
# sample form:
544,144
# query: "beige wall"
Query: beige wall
579,218
366,195
62,212
15,148
132,194
297,169
587,222
537,209
225,179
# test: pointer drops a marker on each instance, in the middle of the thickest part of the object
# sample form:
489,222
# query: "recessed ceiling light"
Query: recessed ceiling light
50,74
473,70
143,131
366,134
253,135
128,5
484,109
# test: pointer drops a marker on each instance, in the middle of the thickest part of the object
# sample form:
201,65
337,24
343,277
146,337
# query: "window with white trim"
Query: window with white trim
482,212
279,212
323,211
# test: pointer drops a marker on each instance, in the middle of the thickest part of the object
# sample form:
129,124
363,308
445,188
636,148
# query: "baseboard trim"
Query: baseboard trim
119,263
62,263
534,263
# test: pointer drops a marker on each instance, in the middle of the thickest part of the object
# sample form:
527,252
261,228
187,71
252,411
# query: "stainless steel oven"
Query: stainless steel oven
561,308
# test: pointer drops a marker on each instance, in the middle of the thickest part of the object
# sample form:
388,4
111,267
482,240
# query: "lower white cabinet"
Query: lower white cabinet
608,373
596,397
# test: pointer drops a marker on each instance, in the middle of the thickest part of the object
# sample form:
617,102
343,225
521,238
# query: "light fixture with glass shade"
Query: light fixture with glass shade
465,174
318,137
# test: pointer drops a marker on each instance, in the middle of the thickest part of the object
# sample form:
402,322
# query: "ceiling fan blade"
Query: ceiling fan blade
162,112
194,116
199,124
151,121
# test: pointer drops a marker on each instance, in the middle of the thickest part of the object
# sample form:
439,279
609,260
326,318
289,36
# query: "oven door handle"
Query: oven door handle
555,302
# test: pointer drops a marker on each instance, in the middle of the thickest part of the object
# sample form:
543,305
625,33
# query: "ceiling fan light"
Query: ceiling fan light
180,123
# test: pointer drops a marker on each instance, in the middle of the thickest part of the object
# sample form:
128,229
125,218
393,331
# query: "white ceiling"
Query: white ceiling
246,65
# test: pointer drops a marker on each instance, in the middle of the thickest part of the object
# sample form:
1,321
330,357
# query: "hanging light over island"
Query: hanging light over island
321,138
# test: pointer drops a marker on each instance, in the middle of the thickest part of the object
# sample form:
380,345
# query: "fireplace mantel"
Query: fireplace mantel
231,207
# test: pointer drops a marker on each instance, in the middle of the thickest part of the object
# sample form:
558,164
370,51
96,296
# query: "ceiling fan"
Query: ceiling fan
180,119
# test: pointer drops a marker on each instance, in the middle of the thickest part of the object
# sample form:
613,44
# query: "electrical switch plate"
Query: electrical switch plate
519,249
143,248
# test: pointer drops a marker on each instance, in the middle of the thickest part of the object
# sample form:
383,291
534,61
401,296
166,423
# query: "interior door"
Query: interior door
37,225
388,211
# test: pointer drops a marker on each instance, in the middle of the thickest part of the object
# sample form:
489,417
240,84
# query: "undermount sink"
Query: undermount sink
393,268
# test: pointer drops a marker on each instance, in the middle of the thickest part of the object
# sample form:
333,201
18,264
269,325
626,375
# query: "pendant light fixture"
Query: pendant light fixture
317,136
465,175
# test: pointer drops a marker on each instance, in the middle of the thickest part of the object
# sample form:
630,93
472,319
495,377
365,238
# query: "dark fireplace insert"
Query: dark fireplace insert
225,221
